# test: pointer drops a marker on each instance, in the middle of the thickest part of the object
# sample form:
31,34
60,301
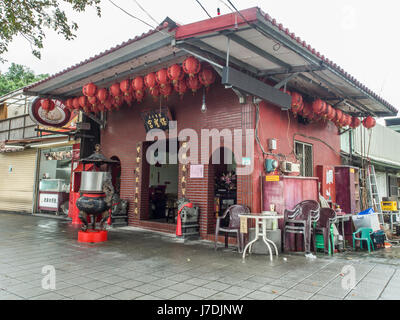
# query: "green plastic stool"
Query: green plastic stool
319,241
365,236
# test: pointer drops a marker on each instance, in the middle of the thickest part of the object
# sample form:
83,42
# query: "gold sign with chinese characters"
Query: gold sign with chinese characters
156,119
137,178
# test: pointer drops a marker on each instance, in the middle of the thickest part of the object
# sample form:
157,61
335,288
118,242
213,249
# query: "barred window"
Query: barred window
304,153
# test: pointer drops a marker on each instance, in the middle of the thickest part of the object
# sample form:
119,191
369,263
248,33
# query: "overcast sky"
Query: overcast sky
359,35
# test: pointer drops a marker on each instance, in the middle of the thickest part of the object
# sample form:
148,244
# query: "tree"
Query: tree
29,18
16,77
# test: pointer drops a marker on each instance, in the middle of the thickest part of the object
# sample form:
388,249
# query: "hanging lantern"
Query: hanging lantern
369,122
101,107
162,77
166,91
355,122
108,104
207,77
319,106
102,95
307,111
129,99
175,73
138,84
155,92
115,90
181,88
48,105
338,117
75,103
348,120
89,90
69,104
84,103
191,66
194,84
125,87
330,112
140,95
150,80
297,102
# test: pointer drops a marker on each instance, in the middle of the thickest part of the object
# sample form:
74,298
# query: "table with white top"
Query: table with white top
261,220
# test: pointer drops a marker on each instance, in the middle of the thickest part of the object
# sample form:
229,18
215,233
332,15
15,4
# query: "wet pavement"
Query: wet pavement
138,264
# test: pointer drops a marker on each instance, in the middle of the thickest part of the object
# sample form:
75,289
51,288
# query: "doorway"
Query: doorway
163,189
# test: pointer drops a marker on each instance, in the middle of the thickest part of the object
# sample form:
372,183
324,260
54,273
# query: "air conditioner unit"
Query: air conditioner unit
290,167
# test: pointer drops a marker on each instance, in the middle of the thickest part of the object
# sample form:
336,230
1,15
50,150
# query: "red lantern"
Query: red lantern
307,111
140,95
181,88
117,102
319,106
129,98
207,77
166,91
191,66
108,104
355,122
297,102
69,104
84,103
369,122
175,73
75,103
162,77
115,90
101,107
330,112
338,117
150,80
93,100
48,105
138,84
155,92
347,120
89,90
102,95
194,84
125,87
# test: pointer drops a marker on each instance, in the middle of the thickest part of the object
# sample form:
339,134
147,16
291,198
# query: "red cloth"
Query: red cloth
179,222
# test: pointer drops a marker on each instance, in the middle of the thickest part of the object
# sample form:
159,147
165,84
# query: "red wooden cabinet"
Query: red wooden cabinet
347,189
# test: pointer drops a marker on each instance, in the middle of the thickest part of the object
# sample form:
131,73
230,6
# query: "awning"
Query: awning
249,41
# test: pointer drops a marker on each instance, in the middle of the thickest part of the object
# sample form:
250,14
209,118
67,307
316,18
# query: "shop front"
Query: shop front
236,121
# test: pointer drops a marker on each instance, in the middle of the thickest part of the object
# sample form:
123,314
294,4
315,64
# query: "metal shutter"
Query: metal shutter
17,186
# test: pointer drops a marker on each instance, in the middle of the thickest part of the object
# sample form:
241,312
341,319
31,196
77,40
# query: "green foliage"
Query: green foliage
17,77
29,18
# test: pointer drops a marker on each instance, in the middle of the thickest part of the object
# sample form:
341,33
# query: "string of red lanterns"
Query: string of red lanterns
319,109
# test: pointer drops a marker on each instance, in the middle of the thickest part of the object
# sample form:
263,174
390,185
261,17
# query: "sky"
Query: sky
359,35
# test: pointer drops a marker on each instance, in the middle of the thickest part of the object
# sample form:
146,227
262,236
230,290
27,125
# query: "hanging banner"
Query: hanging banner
58,117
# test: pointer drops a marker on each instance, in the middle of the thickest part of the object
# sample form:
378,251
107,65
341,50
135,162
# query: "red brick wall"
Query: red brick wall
125,129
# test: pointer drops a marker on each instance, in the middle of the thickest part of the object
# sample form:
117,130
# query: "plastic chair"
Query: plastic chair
327,217
233,226
299,221
365,236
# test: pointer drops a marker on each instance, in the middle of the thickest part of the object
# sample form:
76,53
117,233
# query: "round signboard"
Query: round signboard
58,117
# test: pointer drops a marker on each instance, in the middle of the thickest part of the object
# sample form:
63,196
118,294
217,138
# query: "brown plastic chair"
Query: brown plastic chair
327,216
233,227
299,221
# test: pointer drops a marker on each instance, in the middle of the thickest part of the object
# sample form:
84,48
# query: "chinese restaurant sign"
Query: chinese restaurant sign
156,119
58,117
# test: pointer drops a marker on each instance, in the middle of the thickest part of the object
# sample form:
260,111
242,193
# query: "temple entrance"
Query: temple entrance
163,190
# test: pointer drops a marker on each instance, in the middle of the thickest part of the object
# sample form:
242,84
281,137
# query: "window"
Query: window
304,154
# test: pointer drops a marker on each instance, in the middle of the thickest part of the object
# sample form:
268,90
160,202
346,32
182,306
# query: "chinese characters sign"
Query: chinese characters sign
48,200
156,119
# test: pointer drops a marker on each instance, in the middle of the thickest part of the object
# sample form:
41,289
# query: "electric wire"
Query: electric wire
225,4
146,12
204,9
136,18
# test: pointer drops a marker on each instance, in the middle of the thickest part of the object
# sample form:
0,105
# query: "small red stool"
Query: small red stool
92,236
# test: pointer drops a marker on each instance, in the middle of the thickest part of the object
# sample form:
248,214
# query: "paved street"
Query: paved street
137,264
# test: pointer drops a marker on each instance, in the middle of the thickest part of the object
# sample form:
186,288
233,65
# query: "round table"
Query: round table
261,219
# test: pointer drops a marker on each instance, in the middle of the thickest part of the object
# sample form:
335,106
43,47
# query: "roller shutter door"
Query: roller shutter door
17,176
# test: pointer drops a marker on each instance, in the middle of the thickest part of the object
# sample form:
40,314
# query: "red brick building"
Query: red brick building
253,58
